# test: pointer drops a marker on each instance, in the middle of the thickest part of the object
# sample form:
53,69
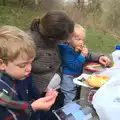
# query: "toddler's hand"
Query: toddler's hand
84,51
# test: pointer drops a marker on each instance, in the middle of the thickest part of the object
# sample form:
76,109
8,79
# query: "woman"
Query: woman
54,27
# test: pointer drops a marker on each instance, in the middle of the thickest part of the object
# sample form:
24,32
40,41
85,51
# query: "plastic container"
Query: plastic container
116,57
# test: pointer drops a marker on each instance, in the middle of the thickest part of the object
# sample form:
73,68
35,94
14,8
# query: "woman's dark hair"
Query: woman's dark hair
55,25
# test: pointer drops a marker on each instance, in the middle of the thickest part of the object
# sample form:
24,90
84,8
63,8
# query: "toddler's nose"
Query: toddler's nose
81,43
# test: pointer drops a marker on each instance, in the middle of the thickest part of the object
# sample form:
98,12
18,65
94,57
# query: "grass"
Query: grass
99,42
13,15
17,17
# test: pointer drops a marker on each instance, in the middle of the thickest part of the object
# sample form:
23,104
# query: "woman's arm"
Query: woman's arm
94,57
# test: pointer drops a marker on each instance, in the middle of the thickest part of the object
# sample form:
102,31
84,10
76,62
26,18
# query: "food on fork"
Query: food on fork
96,80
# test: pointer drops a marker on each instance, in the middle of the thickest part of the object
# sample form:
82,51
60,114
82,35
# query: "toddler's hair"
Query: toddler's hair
79,26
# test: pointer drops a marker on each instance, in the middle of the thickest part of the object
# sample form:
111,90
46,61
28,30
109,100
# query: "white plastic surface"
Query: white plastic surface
106,100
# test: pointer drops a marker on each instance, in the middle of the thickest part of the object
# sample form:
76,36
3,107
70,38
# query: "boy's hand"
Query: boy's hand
84,51
52,92
44,103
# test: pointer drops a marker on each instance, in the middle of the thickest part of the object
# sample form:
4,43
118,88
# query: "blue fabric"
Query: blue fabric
69,88
72,61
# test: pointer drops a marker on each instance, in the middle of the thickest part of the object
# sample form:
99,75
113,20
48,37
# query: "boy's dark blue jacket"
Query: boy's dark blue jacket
16,97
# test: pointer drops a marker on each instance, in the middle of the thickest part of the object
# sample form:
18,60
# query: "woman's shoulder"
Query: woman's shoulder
63,46
37,39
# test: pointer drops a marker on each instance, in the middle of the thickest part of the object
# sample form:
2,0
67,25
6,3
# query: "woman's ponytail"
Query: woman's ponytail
35,25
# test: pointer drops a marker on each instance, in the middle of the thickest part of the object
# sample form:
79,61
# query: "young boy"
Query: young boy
19,97
74,54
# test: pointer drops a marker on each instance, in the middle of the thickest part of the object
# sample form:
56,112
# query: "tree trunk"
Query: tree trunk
3,2
36,2
78,2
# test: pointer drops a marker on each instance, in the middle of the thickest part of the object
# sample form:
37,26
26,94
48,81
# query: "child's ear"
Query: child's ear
68,41
2,65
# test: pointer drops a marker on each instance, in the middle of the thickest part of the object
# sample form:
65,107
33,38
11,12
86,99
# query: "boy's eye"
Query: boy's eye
22,65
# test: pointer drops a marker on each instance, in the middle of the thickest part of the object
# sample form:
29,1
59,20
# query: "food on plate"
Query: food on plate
93,65
96,80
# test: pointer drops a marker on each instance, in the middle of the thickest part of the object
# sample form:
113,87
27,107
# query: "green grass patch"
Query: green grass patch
99,42
17,17
13,15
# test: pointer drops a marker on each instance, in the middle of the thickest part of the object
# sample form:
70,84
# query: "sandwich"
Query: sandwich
96,80
79,48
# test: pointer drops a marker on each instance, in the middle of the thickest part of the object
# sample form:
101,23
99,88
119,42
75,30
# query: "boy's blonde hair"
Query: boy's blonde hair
79,26
15,42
